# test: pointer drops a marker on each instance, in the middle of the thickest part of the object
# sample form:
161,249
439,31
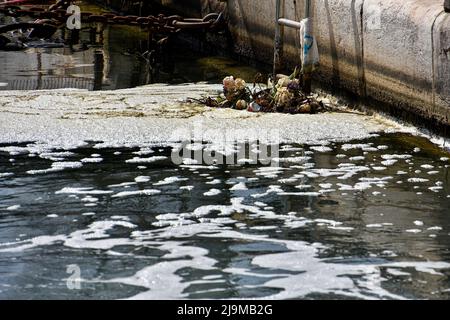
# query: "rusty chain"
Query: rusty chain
159,23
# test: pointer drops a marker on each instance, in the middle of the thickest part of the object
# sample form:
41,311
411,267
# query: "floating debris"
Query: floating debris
286,96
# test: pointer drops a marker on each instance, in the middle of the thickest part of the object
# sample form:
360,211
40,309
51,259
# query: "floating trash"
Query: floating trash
286,96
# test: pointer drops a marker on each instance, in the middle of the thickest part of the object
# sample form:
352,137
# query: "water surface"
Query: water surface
365,219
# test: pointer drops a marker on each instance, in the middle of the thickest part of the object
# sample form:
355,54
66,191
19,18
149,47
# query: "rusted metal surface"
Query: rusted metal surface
158,23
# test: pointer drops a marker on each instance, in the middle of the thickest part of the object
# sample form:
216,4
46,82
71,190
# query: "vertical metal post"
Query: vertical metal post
98,69
307,74
278,44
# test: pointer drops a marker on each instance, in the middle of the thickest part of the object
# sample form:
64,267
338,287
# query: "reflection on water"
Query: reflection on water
123,65
366,219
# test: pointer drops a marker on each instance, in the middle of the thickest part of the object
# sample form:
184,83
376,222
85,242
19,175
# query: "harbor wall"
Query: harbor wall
394,53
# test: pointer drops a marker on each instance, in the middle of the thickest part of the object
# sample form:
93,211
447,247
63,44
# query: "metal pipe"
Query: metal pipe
289,23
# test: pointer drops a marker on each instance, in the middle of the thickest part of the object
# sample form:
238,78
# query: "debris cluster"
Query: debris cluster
283,95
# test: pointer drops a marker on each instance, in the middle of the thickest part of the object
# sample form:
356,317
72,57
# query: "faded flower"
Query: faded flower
283,97
229,83
239,84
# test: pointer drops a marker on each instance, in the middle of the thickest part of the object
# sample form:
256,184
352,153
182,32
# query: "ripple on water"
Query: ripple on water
247,231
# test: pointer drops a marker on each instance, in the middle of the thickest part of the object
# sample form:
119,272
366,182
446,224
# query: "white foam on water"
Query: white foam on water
396,156
169,216
417,180
352,146
388,163
321,148
341,228
357,158
214,181
169,180
189,161
264,228
163,279
146,160
58,166
88,190
397,272
91,160
145,192
327,221
303,194
298,270
144,152
56,156
413,230
288,180
117,217
212,192
300,159
271,189
89,199
14,207
239,186
123,184
6,174
14,151
142,179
